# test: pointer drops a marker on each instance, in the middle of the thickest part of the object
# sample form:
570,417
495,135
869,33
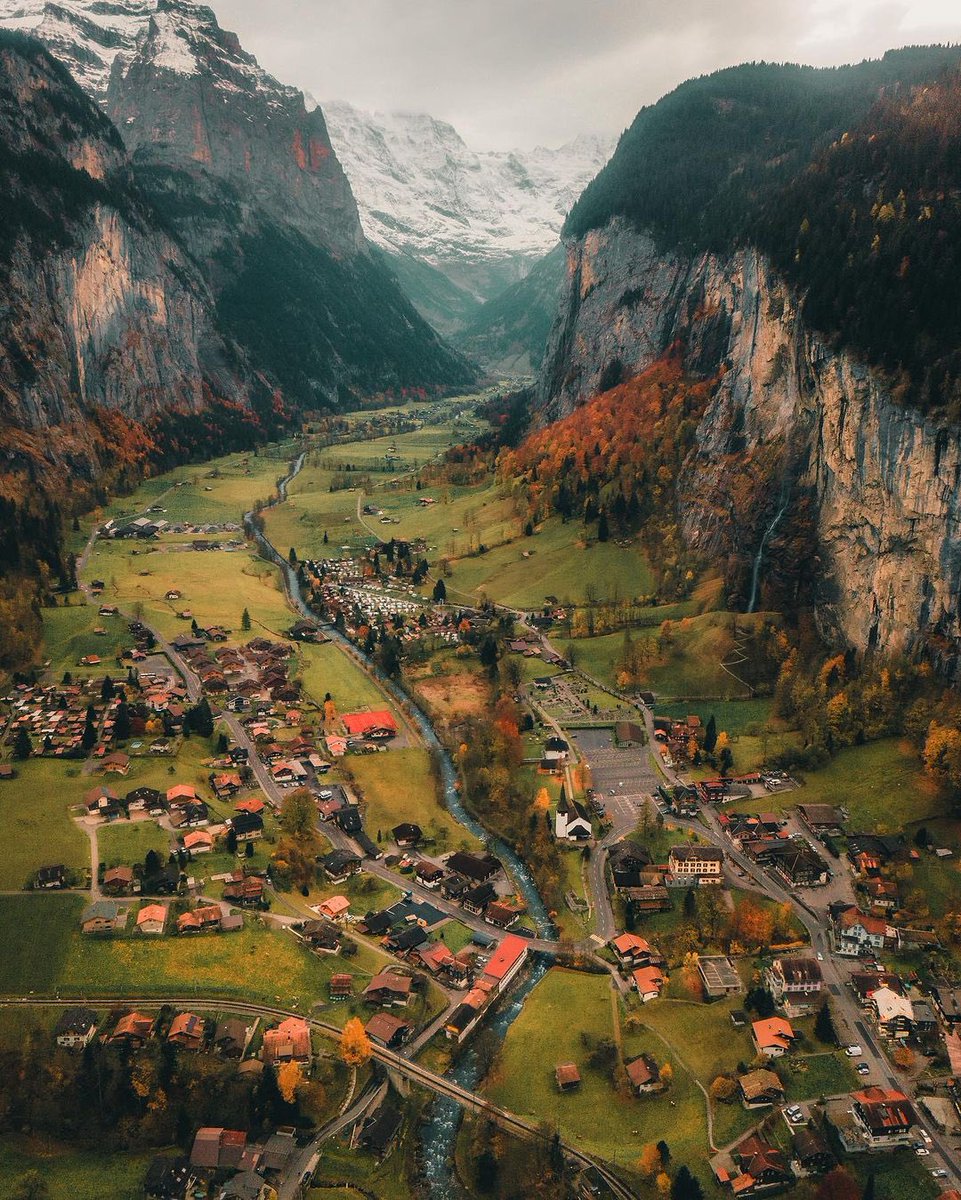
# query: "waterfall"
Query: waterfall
756,573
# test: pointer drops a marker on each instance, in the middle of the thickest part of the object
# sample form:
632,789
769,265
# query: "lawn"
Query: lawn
399,786
68,636
328,668
128,842
882,785
257,963
35,933
810,1076
385,1180
733,716
39,829
72,1174
564,1006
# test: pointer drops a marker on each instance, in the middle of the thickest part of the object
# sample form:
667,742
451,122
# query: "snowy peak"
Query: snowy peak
423,191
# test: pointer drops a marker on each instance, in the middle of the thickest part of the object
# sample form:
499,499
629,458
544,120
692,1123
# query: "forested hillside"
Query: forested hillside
847,178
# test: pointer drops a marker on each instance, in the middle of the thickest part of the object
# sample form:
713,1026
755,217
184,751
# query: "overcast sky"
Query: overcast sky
522,72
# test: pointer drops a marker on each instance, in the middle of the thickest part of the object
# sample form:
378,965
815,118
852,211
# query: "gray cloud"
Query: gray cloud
517,72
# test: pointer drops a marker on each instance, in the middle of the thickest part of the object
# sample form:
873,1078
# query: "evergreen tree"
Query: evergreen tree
686,1186
326,538
200,719
603,531
710,734
231,841
440,592
89,739
121,727
107,689
22,746
869,1191
665,1152
824,1029
223,744
292,557
245,621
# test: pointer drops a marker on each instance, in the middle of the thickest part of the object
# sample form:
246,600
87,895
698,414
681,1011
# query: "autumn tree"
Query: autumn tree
355,1047
839,1184
723,1088
542,801
666,1074
903,1058
649,1164
288,1078
298,815
663,1184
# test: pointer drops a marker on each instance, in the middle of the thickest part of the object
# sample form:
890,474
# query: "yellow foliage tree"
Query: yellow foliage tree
649,1164
722,1088
355,1047
663,1184
666,1074
722,743
542,801
288,1077
330,711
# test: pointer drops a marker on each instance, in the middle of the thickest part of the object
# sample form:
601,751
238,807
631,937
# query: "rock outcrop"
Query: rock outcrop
801,446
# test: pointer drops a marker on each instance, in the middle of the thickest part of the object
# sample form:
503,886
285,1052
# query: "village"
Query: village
746,966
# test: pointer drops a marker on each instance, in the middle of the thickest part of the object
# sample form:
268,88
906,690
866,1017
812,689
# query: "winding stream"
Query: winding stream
439,1132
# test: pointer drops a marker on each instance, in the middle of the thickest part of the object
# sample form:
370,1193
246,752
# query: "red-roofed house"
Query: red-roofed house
773,1037
370,725
290,1041
647,982
505,962
152,918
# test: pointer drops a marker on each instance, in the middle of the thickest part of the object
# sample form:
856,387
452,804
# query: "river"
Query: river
439,1132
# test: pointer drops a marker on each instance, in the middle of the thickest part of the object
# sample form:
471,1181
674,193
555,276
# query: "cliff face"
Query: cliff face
101,309
802,453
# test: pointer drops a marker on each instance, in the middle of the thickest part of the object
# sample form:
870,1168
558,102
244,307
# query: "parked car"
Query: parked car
863,1069
853,1051
921,1151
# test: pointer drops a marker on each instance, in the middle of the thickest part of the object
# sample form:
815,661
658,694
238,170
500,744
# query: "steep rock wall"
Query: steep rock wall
793,425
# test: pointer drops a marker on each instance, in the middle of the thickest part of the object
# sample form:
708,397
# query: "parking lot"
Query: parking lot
627,772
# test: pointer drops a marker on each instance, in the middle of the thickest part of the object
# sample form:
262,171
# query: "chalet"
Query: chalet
696,864
187,1031
477,898
648,898
503,916
567,1076
762,1168
289,1042
857,933
253,804
772,1037
248,1185
389,989
865,983
379,1132
644,1075
189,814
647,982
632,951
103,803
248,826
335,908
388,1031
349,820
134,1029
218,1149
181,792
100,917
822,818
882,895
198,841
760,1089
476,867
572,822
466,1015
435,957
164,882
116,763
894,1013
454,887
812,1152
505,962
49,878
230,1037
146,799
407,834
322,936
375,924
76,1028
169,1179
947,1000
377,726
885,1116
151,919
341,987
247,891
226,784
405,939
795,984
339,865
428,874
118,881
795,862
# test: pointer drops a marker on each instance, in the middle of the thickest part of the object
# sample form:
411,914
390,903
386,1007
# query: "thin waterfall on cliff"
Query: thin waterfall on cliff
756,572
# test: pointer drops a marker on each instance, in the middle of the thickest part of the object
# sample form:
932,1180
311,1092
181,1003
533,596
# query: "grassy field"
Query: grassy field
71,1174
35,933
562,1007
398,786
39,830
810,1076
882,785
68,636
325,669
128,842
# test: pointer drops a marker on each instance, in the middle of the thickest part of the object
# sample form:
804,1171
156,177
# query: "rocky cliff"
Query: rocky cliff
806,474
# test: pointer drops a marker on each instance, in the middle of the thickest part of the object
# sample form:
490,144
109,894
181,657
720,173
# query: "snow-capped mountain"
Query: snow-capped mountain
482,217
